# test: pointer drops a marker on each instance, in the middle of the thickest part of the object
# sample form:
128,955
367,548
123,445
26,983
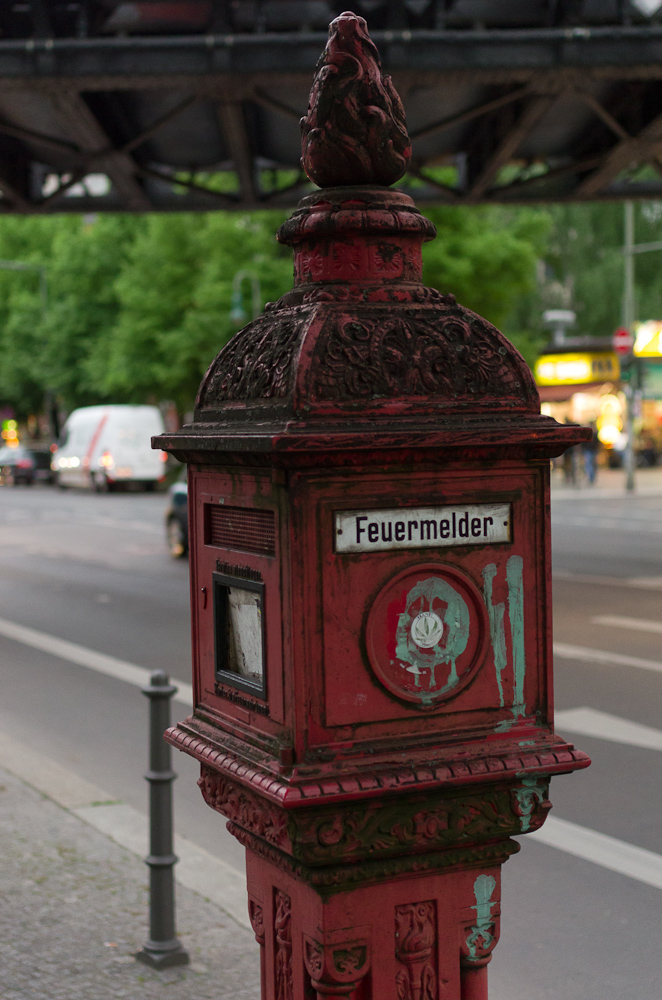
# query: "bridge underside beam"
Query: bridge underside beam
202,123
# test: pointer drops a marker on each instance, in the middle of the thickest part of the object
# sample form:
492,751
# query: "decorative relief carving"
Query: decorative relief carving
377,869
395,827
453,356
283,929
415,939
481,935
405,826
355,130
337,967
313,956
345,261
385,260
256,917
417,294
250,811
256,364
372,355
530,802
347,258
311,265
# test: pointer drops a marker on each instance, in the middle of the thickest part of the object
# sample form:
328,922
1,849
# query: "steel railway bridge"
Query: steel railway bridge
151,106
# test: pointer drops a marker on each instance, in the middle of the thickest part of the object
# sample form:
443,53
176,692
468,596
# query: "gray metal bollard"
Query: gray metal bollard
163,949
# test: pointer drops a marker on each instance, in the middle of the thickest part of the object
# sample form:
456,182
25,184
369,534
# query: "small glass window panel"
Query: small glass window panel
239,634
245,634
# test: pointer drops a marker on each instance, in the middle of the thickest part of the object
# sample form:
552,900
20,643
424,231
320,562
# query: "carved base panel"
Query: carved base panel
414,937
404,826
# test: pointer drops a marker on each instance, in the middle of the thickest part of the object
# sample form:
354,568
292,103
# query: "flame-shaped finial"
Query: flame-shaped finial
355,130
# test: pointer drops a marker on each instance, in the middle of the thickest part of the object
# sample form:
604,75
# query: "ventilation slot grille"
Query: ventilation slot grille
242,528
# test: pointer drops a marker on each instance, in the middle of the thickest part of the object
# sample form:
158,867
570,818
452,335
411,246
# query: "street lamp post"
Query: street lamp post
630,248
628,322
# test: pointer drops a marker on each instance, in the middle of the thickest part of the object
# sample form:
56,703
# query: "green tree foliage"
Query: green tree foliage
22,368
175,298
138,306
585,255
486,256
52,350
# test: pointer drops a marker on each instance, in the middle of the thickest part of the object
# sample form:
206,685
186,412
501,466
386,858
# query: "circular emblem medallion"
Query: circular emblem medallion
426,634
427,629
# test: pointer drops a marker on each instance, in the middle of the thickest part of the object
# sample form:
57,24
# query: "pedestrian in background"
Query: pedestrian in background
590,450
570,462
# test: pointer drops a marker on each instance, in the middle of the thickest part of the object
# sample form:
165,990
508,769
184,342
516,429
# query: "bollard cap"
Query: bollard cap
159,685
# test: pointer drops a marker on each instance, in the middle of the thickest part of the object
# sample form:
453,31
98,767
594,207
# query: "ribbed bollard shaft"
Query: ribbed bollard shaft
163,948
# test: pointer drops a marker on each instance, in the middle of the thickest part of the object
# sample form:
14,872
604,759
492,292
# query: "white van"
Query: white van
102,446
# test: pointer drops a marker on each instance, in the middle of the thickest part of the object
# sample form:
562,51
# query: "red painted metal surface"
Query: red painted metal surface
369,511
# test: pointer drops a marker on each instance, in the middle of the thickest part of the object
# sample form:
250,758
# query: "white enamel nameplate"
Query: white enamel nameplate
422,527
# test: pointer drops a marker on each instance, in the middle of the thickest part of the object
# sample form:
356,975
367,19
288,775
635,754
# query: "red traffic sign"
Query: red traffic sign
622,341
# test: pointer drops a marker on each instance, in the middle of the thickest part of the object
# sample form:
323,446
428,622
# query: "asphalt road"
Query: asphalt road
94,570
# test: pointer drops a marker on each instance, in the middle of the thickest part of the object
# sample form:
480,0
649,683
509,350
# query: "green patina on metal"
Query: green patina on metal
531,793
481,936
505,725
497,632
514,576
456,621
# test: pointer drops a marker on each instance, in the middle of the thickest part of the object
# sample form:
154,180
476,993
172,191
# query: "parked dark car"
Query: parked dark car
42,458
18,465
25,465
176,518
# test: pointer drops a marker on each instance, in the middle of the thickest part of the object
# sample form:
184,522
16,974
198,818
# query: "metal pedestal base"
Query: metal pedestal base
163,954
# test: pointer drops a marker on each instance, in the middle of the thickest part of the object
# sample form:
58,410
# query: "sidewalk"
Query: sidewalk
74,910
609,485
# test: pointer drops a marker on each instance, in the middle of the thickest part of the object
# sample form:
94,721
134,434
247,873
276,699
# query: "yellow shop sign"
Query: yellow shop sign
576,369
648,339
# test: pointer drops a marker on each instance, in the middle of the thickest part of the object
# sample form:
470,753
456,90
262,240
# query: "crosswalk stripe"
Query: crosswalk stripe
635,582
582,653
608,852
635,624
603,726
84,657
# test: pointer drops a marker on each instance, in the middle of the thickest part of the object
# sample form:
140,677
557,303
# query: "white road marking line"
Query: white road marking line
567,652
647,582
592,722
638,582
83,657
197,869
608,852
608,524
636,624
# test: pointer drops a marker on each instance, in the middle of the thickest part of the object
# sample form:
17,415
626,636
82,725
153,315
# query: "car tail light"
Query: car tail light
24,463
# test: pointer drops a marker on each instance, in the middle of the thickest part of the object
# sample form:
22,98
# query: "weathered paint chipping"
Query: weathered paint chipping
530,794
456,628
514,577
481,933
497,633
